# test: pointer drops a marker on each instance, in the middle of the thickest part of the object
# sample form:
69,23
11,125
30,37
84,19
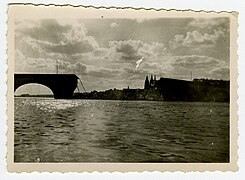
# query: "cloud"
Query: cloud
208,23
132,50
129,50
196,62
196,39
19,57
77,48
79,68
114,25
78,35
39,44
201,66
50,36
37,65
104,73
180,67
43,30
221,73
67,67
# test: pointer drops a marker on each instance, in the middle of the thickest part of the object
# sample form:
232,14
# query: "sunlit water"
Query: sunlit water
49,130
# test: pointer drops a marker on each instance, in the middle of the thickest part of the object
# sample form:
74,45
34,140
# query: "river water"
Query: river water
50,130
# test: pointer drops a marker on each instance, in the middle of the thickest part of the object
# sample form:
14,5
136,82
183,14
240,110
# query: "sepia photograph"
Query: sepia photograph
116,88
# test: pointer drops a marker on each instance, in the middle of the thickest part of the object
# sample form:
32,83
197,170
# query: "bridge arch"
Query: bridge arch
35,89
62,85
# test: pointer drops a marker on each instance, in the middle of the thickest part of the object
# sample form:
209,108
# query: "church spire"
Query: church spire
146,83
151,82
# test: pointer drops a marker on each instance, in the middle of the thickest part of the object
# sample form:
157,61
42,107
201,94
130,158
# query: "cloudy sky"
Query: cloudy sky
103,52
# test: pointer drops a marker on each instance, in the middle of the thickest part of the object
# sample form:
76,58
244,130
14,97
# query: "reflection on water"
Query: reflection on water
50,130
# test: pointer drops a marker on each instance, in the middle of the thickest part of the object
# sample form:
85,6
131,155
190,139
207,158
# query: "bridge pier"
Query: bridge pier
63,94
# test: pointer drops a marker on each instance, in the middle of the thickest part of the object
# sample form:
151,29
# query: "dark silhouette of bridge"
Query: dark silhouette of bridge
62,85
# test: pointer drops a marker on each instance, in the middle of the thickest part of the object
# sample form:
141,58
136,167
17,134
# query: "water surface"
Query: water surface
50,130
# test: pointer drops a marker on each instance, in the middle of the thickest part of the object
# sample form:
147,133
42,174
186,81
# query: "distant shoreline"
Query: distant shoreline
130,95
164,89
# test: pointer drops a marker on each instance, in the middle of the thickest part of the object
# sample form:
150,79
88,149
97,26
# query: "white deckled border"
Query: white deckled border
67,11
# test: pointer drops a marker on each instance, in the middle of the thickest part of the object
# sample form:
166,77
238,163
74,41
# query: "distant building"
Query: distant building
152,84
196,90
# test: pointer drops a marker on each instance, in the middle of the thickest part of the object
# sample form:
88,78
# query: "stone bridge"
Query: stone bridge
62,85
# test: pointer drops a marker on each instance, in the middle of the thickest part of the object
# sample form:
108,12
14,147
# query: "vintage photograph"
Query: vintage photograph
130,89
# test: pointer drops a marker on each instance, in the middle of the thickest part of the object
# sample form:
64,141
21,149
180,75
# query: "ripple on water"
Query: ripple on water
120,131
